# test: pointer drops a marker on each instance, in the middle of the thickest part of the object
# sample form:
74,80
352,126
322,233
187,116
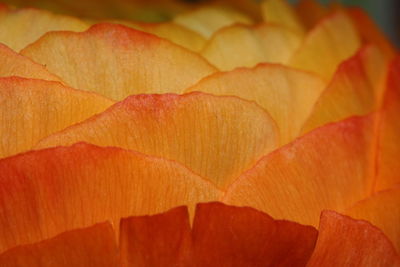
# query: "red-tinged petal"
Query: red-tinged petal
32,109
343,241
328,168
217,137
287,94
331,41
232,236
389,140
20,27
355,89
282,13
92,246
311,12
260,43
370,32
14,64
43,193
209,19
383,210
117,61
158,240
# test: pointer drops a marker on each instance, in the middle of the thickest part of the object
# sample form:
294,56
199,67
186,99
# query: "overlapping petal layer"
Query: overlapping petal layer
118,61
217,137
43,193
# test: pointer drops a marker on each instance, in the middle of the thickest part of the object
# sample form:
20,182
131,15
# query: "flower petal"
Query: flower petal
92,246
328,168
389,140
355,89
326,45
343,241
158,240
311,12
118,61
232,236
47,192
287,94
208,19
217,137
14,64
20,27
33,109
261,43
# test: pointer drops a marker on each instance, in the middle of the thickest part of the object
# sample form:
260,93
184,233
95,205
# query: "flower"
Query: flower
180,136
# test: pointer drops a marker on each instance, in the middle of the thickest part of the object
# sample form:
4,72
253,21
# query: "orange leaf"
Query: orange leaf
47,192
382,210
343,241
260,43
33,109
328,168
355,89
92,246
118,61
14,64
217,137
331,41
389,140
287,94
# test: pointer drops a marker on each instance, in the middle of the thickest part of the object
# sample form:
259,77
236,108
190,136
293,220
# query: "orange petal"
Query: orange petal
33,109
217,137
209,19
117,61
370,32
389,143
232,236
343,241
311,12
355,89
47,192
262,43
282,13
20,27
287,94
158,240
382,210
92,246
328,168
14,64
324,46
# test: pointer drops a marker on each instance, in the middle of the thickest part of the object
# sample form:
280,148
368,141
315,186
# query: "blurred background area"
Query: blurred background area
386,13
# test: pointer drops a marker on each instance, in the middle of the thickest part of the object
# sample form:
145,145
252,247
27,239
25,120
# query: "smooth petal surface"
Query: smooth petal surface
33,109
311,12
14,64
158,240
389,139
20,27
217,137
287,94
343,241
92,246
260,43
118,61
383,210
282,13
232,236
328,168
355,89
208,19
331,41
43,193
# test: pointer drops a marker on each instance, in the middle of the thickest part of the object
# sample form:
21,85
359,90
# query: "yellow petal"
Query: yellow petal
245,46
217,137
118,61
287,94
